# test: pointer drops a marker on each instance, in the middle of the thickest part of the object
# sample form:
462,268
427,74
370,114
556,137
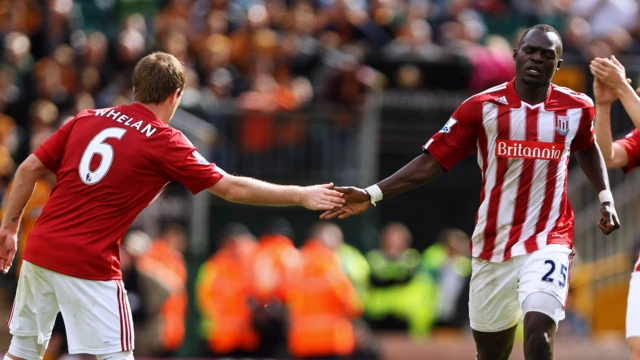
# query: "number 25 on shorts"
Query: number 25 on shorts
548,276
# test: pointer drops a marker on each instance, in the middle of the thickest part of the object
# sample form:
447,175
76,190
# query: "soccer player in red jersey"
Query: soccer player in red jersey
110,164
523,133
610,84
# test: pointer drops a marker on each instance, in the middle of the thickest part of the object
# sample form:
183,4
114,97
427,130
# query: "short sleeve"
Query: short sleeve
586,134
458,137
52,150
182,162
631,144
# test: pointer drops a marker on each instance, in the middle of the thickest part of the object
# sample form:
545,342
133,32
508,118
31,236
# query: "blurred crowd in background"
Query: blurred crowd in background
258,294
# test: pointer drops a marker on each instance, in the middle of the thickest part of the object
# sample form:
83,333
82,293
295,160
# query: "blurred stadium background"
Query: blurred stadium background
304,92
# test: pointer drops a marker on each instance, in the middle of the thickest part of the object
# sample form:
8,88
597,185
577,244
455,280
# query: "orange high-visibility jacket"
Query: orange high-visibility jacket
223,288
276,263
322,302
174,310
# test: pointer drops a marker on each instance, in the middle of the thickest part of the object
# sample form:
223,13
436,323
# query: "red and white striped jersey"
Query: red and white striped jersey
523,151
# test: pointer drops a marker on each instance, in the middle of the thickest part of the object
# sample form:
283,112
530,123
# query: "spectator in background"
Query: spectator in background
38,199
276,264
321,304
146,294
448,263
223,290
400,296
353,263
165,261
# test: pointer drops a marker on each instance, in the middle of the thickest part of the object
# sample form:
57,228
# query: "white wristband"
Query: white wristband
375,193
605,196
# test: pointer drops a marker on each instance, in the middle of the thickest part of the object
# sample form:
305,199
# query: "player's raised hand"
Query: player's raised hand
357,202
8,245
609,221
602,93
609,71
321,197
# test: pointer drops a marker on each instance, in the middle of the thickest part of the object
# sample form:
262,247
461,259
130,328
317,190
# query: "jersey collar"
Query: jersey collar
137,107
516,102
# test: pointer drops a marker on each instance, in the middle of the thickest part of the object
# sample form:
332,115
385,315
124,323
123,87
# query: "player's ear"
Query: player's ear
515,53
559,65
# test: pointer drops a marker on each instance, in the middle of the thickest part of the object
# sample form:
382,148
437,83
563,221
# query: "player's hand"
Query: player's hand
321,197
609,221
609,71
357,202
603,93
8,245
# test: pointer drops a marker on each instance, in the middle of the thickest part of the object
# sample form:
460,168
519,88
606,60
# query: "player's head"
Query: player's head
328,233
159,79
538,55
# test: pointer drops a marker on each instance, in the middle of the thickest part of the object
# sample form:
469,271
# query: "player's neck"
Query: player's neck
531,95
161,111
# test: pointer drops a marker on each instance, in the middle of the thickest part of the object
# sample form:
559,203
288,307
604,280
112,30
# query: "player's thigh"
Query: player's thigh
633,307
96,315
493,296
546,271
35,306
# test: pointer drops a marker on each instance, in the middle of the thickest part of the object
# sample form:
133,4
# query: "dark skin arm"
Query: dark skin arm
421,170
592,164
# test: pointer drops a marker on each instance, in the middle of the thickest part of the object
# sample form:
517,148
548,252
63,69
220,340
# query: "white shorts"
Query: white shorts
633,306
96,314
498,289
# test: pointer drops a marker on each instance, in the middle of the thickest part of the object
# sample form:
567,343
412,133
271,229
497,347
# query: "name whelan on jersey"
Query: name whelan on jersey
536,150
148,130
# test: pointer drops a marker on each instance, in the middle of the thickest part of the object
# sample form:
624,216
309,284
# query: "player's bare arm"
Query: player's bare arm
613,74
614,154
23,184
246,190
418,172
592,164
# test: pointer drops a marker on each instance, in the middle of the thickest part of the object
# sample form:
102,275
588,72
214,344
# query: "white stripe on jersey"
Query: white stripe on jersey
546,130
490,122
574,123
510,186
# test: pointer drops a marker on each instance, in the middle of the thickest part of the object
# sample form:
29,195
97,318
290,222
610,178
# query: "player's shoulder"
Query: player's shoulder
497,94
565,98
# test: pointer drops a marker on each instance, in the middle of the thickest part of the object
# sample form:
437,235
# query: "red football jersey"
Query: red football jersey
110,164
523,152
631,144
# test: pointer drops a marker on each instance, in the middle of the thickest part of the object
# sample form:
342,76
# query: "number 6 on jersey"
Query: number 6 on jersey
97,146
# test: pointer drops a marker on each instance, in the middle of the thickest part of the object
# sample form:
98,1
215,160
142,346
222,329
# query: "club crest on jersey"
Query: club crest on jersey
447,127
199,157
562,125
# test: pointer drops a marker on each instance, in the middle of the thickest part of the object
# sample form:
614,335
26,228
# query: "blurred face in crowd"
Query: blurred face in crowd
396,238
537,57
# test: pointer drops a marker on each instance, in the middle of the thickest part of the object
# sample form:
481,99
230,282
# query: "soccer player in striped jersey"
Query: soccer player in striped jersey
610,84
523,133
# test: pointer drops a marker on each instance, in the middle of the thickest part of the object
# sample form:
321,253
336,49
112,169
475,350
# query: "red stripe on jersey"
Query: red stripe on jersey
13,307
120,315
483,148
565,219
491,230
638,264
524,186
545,210
127,320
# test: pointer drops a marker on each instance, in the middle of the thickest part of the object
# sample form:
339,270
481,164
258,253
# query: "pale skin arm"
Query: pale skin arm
245,190
23,184
611,73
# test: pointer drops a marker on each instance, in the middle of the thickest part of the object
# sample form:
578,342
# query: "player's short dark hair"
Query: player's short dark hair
545,28
156,77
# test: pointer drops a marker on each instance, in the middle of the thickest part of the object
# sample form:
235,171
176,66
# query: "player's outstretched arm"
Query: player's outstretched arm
246,190
23,184
418,172
615,156
613,74
592,164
